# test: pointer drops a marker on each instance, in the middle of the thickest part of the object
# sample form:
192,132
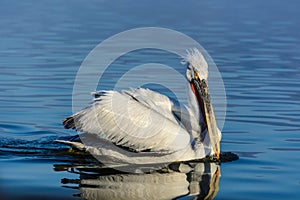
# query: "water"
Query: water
255,45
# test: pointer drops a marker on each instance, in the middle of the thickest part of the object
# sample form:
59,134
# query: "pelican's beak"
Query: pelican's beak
203,97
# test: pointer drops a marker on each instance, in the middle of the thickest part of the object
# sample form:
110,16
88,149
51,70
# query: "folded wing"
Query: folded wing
138,119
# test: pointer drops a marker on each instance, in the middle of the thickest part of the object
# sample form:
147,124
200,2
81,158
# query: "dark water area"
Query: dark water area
255,45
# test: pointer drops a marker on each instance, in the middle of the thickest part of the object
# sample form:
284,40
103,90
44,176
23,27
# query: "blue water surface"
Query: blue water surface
255,45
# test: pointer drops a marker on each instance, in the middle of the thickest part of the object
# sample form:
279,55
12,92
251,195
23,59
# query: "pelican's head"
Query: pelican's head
196,65
197,74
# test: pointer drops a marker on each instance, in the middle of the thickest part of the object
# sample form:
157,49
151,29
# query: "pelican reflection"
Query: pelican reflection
178,180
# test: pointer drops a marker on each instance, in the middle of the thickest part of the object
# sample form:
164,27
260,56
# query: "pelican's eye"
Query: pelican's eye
196,75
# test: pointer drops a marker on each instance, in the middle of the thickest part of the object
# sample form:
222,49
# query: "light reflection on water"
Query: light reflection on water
255,48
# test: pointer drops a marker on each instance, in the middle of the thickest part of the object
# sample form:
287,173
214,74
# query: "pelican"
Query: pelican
140,126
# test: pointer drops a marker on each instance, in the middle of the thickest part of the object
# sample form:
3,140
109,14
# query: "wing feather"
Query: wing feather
127,120
153,100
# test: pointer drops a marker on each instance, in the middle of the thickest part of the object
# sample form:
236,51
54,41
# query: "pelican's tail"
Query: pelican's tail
76,145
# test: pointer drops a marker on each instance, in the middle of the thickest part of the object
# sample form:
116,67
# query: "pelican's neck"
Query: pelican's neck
194,107
196,118
193,103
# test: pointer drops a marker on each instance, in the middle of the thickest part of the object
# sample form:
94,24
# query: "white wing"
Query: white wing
127,120
162,104
154,100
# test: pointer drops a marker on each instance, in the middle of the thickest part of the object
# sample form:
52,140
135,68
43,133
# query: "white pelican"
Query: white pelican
140,126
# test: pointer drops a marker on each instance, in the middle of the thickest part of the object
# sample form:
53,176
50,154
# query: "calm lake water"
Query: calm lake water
255,45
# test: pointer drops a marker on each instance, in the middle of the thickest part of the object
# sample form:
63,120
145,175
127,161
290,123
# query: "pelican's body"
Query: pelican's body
142,126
